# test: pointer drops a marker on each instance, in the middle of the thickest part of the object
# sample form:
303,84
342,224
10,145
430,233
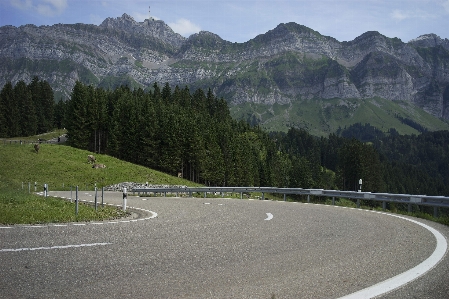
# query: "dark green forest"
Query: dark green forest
26,110
191,133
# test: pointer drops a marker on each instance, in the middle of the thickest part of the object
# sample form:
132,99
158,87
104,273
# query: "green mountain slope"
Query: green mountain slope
58,165
322,117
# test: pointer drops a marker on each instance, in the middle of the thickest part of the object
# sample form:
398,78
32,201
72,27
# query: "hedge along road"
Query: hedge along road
220,248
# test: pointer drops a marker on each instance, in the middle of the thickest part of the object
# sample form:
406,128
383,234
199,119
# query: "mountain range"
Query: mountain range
291,76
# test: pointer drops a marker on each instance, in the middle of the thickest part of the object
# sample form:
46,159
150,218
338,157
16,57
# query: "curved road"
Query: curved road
219,248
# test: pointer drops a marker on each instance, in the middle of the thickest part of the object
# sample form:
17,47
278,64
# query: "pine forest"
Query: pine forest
191,134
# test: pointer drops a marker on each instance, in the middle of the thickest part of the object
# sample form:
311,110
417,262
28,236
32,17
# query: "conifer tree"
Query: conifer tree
3,124
78,129
27,114
11,111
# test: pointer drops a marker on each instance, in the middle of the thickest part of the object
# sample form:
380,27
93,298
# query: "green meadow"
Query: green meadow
61,167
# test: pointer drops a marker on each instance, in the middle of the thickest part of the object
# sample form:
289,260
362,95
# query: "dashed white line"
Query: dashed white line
269,216
53,247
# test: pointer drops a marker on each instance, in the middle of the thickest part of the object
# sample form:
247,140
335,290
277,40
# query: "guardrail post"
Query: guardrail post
285,197
76,201
358,203
241,195
333,200
205,194
308,198
102,196
124,199
95,198
384,205
263,195
45,190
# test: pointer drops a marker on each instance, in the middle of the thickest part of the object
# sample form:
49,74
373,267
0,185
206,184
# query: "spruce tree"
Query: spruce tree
27,114
11,111
78,130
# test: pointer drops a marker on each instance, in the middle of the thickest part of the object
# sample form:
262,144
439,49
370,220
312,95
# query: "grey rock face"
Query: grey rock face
289,63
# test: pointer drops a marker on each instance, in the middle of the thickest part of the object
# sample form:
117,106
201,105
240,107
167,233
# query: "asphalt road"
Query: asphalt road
219,248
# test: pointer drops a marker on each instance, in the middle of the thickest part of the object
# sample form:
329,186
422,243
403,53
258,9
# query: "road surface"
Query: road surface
220,248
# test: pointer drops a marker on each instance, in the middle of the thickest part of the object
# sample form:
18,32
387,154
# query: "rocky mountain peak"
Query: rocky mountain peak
205,39
149,28
123,22
429,40
288,63
285,32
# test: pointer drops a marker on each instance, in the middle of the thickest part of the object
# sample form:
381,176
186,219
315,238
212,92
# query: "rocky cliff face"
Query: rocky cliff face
289,63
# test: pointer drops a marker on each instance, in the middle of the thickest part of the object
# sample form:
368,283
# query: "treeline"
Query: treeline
26,110
175,131
405,164
192,134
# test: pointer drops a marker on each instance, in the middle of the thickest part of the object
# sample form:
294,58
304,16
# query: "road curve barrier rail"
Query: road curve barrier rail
424,200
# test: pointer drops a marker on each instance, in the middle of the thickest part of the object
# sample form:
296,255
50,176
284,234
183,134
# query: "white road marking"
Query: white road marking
53,247
408,276
269,216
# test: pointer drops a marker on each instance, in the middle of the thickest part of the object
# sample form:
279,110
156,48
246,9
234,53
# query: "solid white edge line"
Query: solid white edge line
407,276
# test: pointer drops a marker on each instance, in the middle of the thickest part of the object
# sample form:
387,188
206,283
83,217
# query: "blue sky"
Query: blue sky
241,20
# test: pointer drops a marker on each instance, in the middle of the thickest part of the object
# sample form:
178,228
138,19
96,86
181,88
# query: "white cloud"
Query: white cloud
184,27
22,5
140,17
51,8
46,8
398,15
446,5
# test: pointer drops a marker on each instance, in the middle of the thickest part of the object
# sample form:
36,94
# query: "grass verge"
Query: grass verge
61,167
20,207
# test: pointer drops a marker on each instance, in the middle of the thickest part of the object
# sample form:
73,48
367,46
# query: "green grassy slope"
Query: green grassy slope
322,117
60,165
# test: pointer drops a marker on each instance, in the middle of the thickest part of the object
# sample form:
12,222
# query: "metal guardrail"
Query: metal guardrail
424,200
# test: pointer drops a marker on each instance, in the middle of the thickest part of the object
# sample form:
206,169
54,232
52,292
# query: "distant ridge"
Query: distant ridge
287,65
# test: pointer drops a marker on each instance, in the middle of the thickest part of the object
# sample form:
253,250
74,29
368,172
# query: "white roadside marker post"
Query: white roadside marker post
124,199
